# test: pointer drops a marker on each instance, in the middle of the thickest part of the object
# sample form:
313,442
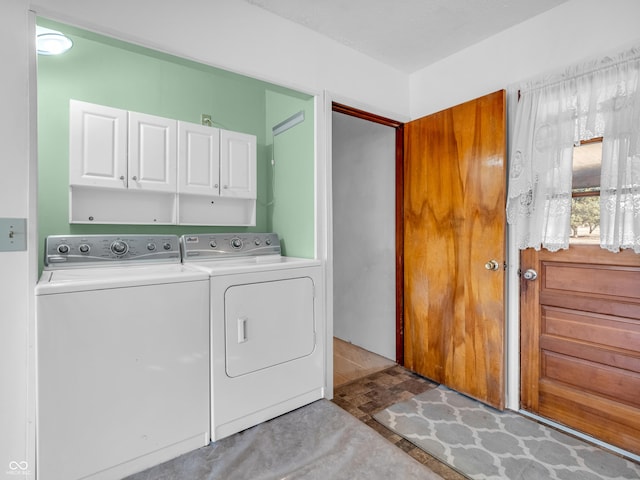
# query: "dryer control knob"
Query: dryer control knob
63,248
213,244
151,247
84,248
236,243
167,246
257,242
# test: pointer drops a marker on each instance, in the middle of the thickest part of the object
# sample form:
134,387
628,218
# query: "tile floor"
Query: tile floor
366,396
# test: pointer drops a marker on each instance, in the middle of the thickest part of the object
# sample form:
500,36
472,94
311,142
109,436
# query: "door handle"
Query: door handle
492,265
530,274
242,329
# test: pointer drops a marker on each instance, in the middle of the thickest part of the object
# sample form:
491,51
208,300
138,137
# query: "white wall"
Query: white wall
246,39
363,188
18,269
562,36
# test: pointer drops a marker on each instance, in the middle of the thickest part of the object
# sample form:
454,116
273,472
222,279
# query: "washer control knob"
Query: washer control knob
257,242
236,243
84,248
268,241
151,247
213,244
64,248
119,247
167,246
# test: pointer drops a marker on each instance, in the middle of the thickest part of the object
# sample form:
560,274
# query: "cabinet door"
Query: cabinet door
237,165
198,159
97,145
152,153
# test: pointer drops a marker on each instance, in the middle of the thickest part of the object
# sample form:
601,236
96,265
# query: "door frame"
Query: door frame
399,161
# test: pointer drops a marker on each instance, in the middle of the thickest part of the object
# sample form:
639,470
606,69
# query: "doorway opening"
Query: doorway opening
367,155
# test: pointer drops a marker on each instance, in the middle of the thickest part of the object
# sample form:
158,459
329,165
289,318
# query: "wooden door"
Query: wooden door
454,221
580,341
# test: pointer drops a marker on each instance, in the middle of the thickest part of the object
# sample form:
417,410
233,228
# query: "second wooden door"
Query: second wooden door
454,230
580,341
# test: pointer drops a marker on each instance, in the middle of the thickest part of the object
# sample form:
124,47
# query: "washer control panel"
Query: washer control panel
64,251
212,246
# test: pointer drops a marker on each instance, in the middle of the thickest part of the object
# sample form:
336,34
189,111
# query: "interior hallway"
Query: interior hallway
366,383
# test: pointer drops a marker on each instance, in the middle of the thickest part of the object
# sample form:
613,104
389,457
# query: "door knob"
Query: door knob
492,265
530,274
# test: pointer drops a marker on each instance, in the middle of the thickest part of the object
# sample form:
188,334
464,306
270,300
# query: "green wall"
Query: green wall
294,169
109,72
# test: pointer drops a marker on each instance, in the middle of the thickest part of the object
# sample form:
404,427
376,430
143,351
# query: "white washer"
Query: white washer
267,328
122,356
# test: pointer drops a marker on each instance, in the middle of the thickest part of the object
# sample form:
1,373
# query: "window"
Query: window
585,204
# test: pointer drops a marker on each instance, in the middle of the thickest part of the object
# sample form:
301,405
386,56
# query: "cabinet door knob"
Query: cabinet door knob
134,178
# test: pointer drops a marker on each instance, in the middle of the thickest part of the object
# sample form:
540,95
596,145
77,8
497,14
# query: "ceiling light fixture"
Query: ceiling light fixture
51,42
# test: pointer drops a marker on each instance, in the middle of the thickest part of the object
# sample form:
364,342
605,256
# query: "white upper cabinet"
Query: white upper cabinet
152,153
237,165
97,145
199,159
113,148
135,168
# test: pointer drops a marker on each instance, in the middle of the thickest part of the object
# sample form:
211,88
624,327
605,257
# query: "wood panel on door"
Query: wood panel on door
454,221
580,341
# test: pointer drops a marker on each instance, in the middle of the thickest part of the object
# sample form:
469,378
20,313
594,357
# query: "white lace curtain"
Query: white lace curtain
598,99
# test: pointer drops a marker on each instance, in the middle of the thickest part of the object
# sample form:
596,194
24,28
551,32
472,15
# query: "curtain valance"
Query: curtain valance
600,98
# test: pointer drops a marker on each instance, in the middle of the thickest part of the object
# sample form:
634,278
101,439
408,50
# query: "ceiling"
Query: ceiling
407,34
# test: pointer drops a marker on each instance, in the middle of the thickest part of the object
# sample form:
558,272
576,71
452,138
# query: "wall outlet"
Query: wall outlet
205,119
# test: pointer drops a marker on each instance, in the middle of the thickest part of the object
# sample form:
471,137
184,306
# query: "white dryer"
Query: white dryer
267,328
122,356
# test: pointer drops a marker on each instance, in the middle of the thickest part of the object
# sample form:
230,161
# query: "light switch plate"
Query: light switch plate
13,234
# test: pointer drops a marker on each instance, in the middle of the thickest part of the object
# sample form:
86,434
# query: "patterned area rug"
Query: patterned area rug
485,444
